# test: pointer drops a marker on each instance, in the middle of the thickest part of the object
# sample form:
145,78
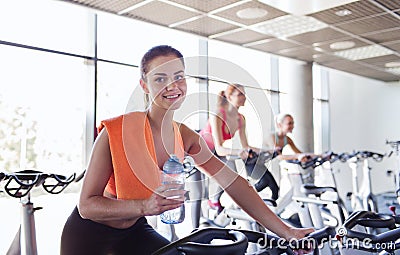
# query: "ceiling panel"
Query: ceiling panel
166,14
389,35
373,23
326,46
382,60
322,35
107,5
374,74
205,5
274,46
395,45
300,53
206,26
230,13
322,58
358,10
242,36
343,65
390,4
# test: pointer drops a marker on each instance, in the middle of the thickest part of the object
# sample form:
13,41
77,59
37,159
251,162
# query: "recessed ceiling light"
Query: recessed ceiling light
365,52
392,64
342,45
343,12
305,7
289,25
251,13
394,70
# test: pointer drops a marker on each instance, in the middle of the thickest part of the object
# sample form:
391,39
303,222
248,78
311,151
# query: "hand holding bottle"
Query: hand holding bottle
166,197
173,180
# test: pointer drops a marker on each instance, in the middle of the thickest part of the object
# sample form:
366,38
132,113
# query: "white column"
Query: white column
295,83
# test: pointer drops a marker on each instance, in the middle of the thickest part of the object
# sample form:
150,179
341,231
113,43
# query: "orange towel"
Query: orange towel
136,173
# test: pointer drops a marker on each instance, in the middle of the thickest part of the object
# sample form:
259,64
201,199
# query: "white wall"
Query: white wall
363,114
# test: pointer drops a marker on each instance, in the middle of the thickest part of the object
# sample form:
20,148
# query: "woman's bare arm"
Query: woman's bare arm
94,205
237,187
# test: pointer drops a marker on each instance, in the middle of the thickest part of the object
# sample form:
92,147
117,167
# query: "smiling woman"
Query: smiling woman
161,77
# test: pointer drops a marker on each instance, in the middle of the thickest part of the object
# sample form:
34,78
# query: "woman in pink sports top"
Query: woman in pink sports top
223,126
227,122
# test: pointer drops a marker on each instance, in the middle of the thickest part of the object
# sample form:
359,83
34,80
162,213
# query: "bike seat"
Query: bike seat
27,175
311,189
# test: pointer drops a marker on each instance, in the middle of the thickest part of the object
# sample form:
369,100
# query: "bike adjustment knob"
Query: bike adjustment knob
392,208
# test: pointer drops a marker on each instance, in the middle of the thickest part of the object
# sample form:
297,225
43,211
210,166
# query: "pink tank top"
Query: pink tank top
206,132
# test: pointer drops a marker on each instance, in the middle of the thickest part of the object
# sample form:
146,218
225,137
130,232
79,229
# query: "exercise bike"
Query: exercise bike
361,197
396,146
235,242
320,205
355,240
19,185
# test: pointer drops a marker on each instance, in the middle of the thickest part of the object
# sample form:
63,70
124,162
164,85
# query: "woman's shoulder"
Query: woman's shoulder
241,117
123,119
128,114
290,140
274,134
189,136
183,129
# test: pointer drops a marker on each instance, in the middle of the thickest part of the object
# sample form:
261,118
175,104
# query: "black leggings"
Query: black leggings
266,180
85,237
255,169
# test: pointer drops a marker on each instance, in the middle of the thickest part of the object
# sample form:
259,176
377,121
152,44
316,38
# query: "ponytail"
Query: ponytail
222,100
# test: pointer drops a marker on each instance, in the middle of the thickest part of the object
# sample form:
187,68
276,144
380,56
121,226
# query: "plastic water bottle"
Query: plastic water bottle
173,173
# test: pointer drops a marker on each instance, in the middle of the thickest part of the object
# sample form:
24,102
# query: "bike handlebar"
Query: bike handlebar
198,242
2,176
19,184
321,235
262,156
394,144
61,182
359,155
315,161
369,154
80,176
370,219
